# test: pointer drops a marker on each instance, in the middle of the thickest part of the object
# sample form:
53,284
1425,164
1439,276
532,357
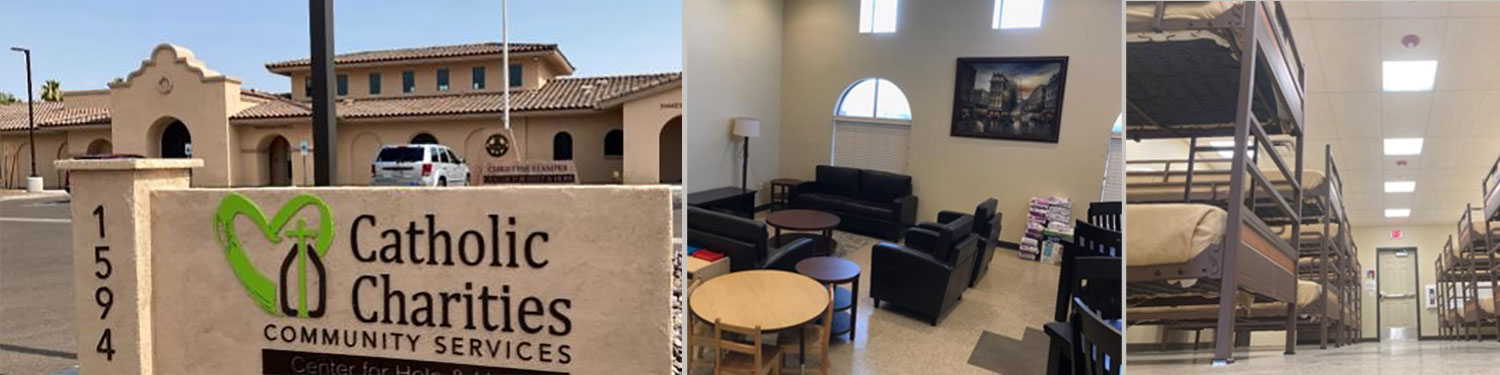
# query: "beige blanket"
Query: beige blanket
1171,233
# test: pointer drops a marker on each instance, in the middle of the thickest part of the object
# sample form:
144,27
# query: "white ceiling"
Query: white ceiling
1343,45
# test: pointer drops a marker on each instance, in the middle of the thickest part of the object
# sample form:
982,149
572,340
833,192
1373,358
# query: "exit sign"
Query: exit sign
1395,234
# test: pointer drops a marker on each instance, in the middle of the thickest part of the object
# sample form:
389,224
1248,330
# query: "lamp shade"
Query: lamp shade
747,127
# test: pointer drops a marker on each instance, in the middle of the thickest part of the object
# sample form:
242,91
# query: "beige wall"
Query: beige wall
1428,239
824,54
360,139
201,98
644,119
460,76
734,57
15,158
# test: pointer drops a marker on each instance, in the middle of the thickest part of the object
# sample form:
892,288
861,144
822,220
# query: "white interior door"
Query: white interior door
1398,295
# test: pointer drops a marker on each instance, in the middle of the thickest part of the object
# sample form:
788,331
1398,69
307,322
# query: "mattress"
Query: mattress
1307,296
1188,80
1486,309
1179,232
1492,198
1141,14
1209,185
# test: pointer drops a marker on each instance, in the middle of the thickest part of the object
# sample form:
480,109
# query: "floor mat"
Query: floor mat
1008,356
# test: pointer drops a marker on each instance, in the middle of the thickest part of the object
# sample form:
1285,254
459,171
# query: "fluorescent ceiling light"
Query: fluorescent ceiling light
1403,146
1409,75
1400,186
1016,14
1397,212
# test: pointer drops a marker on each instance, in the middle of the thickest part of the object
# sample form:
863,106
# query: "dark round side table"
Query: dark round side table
781,192
805,220
837,271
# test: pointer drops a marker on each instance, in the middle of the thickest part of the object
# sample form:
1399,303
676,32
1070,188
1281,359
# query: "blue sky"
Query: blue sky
85,44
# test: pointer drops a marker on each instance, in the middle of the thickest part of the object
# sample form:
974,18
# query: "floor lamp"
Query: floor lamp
748,128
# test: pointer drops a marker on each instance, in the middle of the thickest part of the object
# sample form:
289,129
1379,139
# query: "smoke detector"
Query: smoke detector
1411,40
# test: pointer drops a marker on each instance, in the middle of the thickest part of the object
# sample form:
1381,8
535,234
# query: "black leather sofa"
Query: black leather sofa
986,226
868,202
744,241
927,275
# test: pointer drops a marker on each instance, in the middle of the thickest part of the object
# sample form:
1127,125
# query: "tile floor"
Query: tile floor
1014,296
1406,358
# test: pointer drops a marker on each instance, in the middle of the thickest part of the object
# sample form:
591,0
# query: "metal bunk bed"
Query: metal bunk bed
1476,261
1250,41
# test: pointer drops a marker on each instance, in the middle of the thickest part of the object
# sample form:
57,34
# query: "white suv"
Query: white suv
418,165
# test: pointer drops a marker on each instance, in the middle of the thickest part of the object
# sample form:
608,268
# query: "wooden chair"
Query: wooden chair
735,357
700,337
814,337
1098,346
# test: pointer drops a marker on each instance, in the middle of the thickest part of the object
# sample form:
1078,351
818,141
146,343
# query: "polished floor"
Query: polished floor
1405,358
1016,296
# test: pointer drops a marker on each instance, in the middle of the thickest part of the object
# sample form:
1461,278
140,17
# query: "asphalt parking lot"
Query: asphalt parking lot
36,287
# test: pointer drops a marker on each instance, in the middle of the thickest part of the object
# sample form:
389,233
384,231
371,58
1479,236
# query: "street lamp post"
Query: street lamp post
34,182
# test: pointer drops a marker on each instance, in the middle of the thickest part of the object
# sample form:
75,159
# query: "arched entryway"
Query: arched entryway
100,147
279,161
424,139
670,157
176,141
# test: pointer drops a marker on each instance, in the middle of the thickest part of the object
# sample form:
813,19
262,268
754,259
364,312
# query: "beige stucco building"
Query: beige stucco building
616,129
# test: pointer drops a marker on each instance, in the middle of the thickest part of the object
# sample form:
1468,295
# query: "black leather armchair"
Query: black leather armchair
744,241
986,226
868,202
929,274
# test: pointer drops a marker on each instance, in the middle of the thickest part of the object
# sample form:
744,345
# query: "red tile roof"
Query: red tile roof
560,94
52,114
420,53
569,93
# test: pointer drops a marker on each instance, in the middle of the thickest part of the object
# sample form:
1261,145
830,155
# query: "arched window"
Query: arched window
871,127
874,97
424,139
562,146
614,143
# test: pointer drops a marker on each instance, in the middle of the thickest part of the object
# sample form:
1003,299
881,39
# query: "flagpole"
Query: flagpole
505,57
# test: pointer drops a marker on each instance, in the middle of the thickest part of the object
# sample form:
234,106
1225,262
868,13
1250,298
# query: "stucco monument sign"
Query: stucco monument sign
483,280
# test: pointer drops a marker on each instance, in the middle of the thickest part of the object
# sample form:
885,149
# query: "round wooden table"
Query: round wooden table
805,220
771,300
835,271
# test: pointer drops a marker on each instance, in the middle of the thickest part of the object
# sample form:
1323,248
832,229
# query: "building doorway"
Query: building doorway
279,161
176,141
670,157
1399,303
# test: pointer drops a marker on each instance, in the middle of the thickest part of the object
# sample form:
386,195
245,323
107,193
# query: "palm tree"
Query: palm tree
52,91
7,98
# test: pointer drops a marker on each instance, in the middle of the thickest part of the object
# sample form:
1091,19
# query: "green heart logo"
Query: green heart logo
260,287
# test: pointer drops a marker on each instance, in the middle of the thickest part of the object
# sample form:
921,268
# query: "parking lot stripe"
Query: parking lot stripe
35,220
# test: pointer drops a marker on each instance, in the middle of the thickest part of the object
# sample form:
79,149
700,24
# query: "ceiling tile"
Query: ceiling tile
1453,113
1362,154
1470,54
1349,53
1343,9
1487,117
1405,114
1441,152
1480,152
1318,116
1475,8
1357,115
1413,9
